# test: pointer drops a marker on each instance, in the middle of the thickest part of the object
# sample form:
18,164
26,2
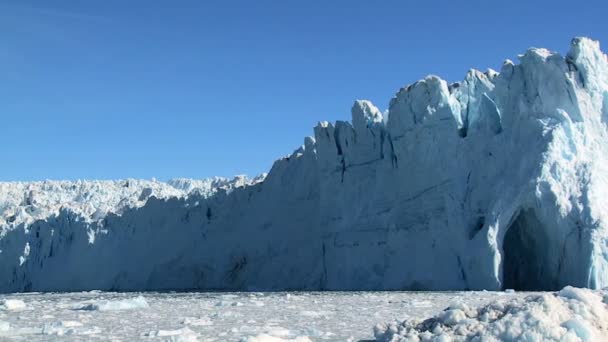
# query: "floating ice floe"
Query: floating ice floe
115,305
13,304
200,321
270,338
4,326
177,335
277,334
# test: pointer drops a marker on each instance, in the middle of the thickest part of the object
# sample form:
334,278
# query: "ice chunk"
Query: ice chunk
114,305
61,328
201,321
580,328
13,304
570,315
177,335
270,338
4,326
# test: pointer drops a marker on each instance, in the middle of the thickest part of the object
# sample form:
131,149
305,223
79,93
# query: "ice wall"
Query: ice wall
497,181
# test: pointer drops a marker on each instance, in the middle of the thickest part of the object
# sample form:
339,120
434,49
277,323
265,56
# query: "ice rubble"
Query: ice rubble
571,314
494,182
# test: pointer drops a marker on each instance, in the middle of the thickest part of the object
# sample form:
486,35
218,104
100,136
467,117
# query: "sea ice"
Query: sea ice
319,316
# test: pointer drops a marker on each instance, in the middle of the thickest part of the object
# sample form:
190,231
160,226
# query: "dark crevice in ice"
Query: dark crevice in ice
526,266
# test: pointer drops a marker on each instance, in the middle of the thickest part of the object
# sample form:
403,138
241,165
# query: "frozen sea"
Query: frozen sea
319,316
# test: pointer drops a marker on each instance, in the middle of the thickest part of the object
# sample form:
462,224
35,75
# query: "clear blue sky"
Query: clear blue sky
116,89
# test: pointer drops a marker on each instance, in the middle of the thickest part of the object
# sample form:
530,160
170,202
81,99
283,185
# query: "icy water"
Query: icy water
320,316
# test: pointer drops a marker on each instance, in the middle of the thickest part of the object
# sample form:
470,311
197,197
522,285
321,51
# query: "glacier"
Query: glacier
495,182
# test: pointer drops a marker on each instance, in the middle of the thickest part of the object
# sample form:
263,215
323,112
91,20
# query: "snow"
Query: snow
496,182
571,314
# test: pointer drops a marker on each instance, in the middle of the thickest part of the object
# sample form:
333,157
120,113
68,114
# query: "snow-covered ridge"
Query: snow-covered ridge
495,182
92,200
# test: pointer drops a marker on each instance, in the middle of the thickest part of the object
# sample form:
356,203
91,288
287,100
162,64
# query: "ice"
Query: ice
13,305
4,326
337,316
228,303
178,335
315,314
276,334
26,202
496,182
114,305
581,329
571,314
201,321
61,328
270,338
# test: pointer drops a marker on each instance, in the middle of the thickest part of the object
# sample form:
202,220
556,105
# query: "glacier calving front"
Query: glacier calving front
499,181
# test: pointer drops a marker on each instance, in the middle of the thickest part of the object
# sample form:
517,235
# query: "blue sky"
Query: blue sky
117,89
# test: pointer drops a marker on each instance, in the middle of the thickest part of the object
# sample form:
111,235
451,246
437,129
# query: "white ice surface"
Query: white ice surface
116,305
572,314
12,304
26,202
296,316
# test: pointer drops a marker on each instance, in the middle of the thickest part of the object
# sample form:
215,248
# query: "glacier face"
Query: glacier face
27,202
493,182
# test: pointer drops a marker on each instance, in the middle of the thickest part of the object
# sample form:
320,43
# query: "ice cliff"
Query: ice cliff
498,181
27,202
